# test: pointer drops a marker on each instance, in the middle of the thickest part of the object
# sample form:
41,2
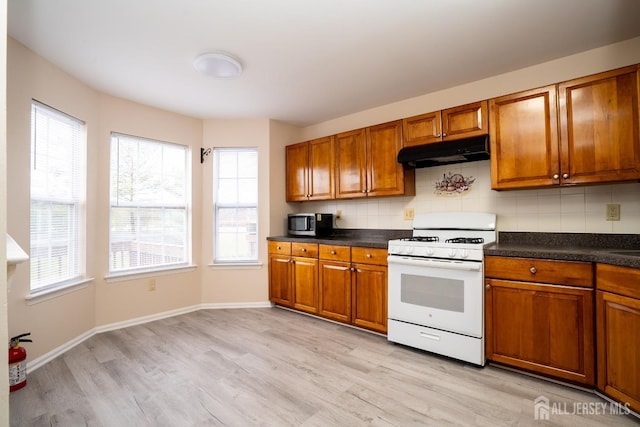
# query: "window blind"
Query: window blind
149,204
58,165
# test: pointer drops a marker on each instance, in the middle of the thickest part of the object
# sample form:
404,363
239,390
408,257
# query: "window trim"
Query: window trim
160,269
216,263
79,204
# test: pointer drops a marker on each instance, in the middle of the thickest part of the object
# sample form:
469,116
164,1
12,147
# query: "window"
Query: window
235,205
58,174
149,193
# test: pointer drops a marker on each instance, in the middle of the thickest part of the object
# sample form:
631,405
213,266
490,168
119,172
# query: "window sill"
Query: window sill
132,275
38,297
235,265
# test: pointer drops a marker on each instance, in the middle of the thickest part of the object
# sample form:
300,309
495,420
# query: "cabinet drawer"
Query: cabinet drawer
619,280
540,270
283,248
369,256
305,249
336,253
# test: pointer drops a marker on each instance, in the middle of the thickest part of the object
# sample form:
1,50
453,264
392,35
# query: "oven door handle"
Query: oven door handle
434,263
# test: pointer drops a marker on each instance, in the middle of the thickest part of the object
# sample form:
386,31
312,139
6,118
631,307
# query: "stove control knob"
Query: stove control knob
409,250
464,253
429,251
452,253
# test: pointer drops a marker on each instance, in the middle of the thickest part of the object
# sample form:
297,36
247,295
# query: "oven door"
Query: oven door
441,294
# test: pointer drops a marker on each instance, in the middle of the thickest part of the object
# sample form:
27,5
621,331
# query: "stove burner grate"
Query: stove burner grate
422,239
466,240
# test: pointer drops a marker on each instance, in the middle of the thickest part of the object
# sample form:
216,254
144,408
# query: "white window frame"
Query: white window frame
115,202
77,170
217,205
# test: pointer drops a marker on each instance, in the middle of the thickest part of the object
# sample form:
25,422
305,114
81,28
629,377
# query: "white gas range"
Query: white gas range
436,284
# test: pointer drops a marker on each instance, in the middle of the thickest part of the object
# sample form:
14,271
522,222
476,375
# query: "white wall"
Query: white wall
4,334
577,209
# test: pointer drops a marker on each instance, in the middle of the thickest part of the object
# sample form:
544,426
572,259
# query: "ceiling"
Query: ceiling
307,61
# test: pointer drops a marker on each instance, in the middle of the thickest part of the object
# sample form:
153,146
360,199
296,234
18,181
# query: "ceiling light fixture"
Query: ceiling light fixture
218,65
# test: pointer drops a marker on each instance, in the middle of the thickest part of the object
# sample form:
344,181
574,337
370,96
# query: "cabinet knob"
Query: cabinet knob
278,247
304,249
488,286
533,270
556,176
438,135
333,252
444,134
369,255
565,175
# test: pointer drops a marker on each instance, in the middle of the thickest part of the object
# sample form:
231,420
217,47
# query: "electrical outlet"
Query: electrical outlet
338,213
613,212
152,285
409,213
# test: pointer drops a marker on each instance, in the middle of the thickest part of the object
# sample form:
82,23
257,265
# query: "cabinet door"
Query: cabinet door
280,289
542,328
305,284
524,140
385,176
321,161
297,159
335,290
599,125
465,121
422,129
369,297
618,320
351,164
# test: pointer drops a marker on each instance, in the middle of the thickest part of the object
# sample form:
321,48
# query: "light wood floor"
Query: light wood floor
274,367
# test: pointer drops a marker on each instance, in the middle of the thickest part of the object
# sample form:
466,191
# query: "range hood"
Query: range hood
446,152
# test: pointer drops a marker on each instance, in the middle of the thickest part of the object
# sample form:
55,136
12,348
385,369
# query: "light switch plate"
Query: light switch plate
409,213
613,212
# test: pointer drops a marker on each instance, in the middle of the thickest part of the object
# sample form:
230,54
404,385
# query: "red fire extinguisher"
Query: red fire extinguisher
18,362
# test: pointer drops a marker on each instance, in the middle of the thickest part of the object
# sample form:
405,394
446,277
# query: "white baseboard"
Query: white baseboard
49,356
222,305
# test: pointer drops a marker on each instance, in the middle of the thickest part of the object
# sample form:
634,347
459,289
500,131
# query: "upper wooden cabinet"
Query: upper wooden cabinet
310,170
366,163
577,132
453,123
599,127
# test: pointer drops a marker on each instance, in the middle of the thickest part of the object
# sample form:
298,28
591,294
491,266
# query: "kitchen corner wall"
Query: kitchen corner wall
569,209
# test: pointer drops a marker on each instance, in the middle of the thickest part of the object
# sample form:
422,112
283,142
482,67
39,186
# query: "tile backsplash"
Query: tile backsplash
567,209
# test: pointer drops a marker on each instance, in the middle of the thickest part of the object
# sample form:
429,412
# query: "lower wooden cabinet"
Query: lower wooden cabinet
369,290
342,283
280,286
547,328
618,332
305,284
335,282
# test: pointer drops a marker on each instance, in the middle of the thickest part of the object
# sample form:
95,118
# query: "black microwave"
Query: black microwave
309,224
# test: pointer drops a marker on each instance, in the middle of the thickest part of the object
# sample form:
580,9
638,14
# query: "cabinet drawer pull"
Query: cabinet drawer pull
304,249
565,175
556,176
333,252
369,255
533,270
430,336
279,248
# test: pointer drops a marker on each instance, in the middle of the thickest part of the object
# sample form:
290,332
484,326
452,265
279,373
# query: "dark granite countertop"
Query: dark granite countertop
368,238
588,247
